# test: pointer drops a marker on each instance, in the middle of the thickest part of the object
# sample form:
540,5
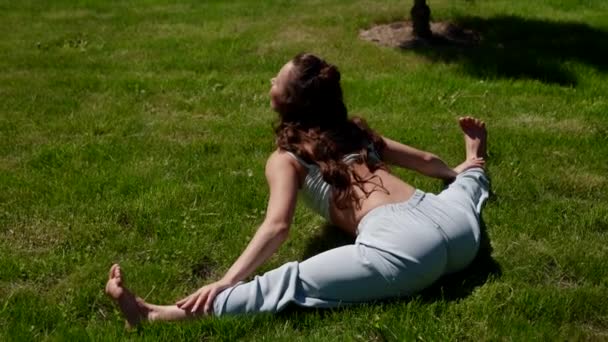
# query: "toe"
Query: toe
464,122
478,123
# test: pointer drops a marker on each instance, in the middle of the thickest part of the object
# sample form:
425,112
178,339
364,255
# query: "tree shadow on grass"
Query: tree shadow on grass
522,48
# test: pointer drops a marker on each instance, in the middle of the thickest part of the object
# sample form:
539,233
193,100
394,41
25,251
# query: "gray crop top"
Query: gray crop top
316,192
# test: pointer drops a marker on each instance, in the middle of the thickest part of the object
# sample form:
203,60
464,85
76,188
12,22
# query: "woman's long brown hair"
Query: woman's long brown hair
314,124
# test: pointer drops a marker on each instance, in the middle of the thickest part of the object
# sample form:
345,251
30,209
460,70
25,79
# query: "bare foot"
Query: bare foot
475,137
133,308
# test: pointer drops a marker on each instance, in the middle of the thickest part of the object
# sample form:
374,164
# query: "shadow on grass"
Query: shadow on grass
327,238
522,48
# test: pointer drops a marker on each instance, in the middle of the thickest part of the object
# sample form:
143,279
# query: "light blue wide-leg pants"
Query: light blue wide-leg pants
400,249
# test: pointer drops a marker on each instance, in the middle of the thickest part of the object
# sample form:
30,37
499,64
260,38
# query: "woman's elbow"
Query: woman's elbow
429,158
282,232
278,230
279,233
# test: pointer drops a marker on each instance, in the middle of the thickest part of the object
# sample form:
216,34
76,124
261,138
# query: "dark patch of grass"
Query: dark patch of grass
517,47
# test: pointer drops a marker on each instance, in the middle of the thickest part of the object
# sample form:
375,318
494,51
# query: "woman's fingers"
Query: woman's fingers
191,300
182,301
209,301
199,300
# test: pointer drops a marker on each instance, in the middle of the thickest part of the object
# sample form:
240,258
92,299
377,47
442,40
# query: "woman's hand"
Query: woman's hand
203,298
470,163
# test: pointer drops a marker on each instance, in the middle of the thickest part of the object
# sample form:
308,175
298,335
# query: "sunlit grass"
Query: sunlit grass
137,132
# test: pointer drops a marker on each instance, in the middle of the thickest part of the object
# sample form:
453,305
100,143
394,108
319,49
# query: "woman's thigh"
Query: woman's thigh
347,274
470,190
457,211
359,273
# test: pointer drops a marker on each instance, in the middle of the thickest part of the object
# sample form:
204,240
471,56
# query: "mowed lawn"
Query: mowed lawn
137,132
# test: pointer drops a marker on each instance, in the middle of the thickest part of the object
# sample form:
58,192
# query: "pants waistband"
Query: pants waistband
392,207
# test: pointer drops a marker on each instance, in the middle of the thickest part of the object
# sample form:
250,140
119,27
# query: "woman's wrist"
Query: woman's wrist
228,280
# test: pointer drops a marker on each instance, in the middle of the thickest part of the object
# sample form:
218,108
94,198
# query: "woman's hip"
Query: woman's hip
423,231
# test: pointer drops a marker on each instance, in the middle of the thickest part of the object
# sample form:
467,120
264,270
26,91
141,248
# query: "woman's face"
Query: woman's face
278,85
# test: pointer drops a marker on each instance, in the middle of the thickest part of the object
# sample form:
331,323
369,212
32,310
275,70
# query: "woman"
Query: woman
406,239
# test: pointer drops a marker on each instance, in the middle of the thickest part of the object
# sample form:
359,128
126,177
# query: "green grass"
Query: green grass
137,132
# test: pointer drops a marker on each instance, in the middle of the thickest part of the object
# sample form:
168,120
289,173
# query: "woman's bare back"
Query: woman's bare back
382,188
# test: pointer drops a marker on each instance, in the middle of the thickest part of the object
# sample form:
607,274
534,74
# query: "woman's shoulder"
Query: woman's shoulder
281,161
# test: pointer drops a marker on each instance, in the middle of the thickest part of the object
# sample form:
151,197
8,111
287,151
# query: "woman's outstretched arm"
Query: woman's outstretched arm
283,182
426,163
